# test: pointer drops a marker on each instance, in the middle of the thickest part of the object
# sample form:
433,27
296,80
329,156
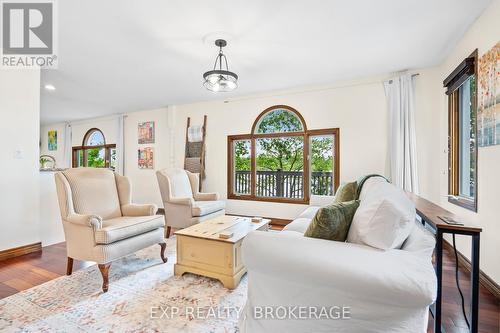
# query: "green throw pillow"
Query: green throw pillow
346,192
333,221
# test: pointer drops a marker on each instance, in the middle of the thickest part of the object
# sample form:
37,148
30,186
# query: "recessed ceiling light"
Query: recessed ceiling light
50,87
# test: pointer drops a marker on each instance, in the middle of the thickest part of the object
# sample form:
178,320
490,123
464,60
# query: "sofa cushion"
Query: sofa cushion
332,222
127,226
300,224
94,192
384,219
309,212
201,208
420,241
346,192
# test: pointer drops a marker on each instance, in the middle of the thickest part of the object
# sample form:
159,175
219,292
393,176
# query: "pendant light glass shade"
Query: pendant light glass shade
220,79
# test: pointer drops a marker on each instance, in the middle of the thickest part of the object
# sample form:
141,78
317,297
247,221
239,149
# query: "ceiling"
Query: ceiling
126,55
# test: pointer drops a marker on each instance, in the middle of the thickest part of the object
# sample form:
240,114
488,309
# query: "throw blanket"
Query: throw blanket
195,133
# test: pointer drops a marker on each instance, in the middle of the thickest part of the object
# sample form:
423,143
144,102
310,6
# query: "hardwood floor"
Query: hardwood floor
30,270
453,320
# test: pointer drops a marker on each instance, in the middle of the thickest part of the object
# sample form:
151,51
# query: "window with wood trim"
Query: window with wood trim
281,160
461,89
94,152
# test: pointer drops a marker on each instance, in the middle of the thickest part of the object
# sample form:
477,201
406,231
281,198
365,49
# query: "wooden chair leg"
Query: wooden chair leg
104,268
163,246
167,232
69,266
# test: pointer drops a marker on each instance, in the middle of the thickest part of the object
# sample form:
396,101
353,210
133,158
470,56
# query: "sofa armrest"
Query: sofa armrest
181,201
206,196
89,220
139,210
391,277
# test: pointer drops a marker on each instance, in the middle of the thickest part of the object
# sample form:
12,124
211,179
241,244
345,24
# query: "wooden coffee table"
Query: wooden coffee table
201,251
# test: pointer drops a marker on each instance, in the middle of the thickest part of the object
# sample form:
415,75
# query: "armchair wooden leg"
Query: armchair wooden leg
104,268
69,266
162,251
167,232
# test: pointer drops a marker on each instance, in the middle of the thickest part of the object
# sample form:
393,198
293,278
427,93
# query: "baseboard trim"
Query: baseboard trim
484,279
21,250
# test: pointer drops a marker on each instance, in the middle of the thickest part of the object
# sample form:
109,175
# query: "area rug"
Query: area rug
144,296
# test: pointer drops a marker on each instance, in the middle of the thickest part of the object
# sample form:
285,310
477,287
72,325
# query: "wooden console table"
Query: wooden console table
429,213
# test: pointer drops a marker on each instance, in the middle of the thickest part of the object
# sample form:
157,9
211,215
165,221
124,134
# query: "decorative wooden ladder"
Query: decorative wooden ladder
194,155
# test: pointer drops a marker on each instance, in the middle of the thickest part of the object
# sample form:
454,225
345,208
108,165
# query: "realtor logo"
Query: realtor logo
28,34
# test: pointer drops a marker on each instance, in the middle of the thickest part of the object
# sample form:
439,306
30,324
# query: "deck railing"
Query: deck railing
284,184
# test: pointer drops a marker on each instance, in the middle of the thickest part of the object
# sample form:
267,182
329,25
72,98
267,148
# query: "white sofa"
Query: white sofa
381,290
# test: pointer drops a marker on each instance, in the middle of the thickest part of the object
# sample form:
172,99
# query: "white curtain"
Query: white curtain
120,145
68,151
400,94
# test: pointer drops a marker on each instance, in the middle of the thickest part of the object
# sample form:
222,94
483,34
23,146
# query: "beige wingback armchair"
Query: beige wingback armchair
184,204
100,222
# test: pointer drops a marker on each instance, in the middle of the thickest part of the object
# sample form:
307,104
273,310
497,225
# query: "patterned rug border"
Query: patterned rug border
139,283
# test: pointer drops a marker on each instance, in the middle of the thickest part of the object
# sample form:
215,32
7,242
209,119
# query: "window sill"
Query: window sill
268,199
464,203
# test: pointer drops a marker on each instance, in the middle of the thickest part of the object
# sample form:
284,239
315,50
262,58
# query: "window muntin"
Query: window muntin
242,170
280,167
78,158
112,157
467,139
94,138
321,158
462,143
276,167
94,152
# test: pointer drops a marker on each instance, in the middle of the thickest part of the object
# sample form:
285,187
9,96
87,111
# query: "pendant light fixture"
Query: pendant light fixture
220,79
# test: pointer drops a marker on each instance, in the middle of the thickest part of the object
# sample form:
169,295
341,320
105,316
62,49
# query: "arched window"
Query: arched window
279,119
281,160
94,152
94,137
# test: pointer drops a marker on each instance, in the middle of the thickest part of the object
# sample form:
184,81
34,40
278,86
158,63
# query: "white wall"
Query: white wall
108,126
433,135
363,139
144,184
51,228
58,154
145,188
357,108
428,90
19,135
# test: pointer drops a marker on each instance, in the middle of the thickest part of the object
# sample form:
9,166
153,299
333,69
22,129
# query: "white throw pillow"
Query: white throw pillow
384,218
369,185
